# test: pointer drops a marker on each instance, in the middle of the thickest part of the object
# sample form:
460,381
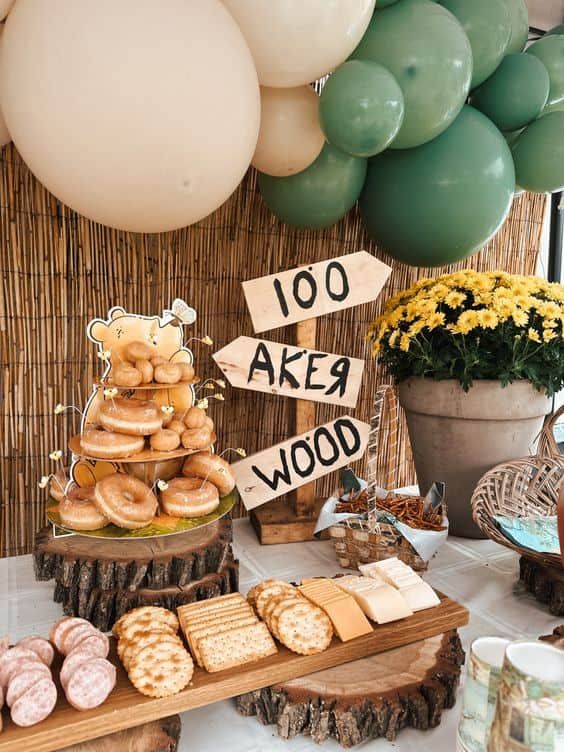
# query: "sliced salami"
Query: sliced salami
40,646
24,664
9,657
91,683
36,704
96,644
22,681
60,628
75,634
70,663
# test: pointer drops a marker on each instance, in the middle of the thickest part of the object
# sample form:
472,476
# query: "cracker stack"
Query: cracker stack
296,622
224,632
346,615
157,663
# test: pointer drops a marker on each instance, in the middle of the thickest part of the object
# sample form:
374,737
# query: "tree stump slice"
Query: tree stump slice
158,736
546,583
366,699
173,560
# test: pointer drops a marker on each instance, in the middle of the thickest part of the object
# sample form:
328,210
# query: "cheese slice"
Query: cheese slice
383,604
420,596
348,618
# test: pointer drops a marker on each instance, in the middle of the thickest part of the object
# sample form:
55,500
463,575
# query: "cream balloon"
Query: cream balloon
143,116
5,7
295,42
5,137
290,137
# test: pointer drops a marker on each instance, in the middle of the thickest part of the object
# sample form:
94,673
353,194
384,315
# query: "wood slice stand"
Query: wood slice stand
292,520
366,699
545,582
158,736
102,579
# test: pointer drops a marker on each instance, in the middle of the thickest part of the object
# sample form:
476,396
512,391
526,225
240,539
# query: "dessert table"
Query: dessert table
480,574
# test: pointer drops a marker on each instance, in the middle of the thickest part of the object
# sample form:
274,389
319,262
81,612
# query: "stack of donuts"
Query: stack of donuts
128,503
142,365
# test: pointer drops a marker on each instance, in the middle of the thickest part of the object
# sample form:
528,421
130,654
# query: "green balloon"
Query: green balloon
488,26
551,51
519,19
428,52
538,154
361,108
556,30
516,93
319,196
438,203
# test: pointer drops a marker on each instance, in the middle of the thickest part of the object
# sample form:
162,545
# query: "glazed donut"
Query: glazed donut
212,468
133,417
189,497
57,485
138,351
165,440
124,374
107,445
196,438
195,418
125,501
145,369
187,371
158,360
168,373
79,512
177,426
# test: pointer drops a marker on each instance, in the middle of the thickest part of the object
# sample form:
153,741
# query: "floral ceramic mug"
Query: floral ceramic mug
480,692
529,714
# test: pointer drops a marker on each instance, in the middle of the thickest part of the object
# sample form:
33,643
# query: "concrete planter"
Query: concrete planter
457,436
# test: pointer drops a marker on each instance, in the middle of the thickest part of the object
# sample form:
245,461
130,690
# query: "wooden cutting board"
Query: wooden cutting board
127,708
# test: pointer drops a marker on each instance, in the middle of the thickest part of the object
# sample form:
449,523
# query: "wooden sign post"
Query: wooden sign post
300,296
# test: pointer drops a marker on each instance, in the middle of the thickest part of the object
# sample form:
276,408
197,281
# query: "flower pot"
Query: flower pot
457,436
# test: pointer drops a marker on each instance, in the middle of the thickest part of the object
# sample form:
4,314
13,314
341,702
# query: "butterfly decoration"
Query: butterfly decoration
182,312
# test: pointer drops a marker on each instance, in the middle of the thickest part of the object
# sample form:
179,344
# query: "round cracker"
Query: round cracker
155,638
304,628
161,670
144,613
272,590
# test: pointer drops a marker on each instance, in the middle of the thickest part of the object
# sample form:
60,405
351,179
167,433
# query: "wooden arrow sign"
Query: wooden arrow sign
300,460
314,290
291,371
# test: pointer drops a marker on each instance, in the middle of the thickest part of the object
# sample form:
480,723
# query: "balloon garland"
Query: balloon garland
432,114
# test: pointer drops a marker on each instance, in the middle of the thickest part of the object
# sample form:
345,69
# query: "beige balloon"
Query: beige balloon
290,137
295,42
5,137
5,7
141,115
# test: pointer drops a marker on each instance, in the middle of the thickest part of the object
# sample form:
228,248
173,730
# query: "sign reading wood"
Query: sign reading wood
302,459
291,371
315,290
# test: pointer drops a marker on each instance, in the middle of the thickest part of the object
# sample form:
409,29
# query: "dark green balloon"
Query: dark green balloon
556,30
361,108
519,19
427,50
438,203
318,196
516,94
538,154
488,26
551,51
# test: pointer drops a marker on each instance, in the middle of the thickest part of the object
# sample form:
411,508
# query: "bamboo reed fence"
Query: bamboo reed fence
58,270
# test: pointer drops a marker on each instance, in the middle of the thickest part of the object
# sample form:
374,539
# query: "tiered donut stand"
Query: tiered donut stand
101,574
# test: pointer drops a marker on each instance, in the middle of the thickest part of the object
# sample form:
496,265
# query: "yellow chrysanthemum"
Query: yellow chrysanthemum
503,308
435,320
548,335
521,318
533,335
467,321
550,324
394,336
405,342
416,327
455,299
488,319
549,309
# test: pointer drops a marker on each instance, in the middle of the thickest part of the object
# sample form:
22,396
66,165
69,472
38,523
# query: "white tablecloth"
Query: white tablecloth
480,574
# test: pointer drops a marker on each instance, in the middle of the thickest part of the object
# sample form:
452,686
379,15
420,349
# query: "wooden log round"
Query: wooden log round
546,583
366,699
175,560
104,607
158,736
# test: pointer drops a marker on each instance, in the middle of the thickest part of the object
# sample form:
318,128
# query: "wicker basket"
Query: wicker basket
359,541
523,488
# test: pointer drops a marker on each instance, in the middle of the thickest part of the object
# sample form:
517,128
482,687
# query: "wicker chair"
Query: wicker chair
524,487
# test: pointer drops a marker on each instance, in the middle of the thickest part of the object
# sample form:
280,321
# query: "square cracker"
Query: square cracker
237,647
